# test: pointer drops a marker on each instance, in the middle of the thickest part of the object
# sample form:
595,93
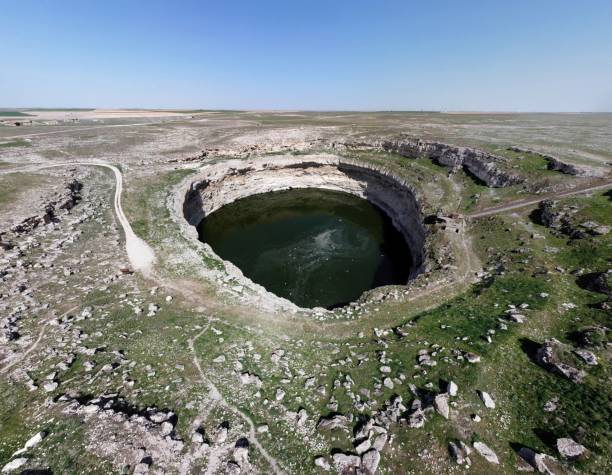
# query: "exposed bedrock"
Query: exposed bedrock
483,165
225,182
555,163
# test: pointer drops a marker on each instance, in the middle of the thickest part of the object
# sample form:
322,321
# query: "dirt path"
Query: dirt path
530,202
41,334
140,254
216,396
34,345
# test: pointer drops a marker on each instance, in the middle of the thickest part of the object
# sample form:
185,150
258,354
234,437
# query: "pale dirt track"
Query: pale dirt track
142,258
216,396
530,202
140,254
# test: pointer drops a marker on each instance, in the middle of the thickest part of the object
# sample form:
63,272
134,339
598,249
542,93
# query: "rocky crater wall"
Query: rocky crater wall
222,183
483,165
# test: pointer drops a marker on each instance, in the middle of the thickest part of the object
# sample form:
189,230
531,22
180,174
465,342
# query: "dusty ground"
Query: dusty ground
174,370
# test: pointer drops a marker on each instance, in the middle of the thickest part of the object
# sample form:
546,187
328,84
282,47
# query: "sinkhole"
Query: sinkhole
314,247
315,230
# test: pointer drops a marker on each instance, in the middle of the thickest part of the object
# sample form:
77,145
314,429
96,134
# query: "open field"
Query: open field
181,365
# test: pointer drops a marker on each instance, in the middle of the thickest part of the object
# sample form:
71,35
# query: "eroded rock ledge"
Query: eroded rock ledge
481,164
557,164
223,183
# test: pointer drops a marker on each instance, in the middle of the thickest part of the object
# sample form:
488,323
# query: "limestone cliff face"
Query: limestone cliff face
481,164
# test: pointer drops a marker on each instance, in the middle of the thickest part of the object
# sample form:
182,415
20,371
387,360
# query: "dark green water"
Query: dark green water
317,248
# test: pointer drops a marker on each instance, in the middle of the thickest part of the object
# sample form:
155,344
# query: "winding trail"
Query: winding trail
34,345
142,258
140,254
216,396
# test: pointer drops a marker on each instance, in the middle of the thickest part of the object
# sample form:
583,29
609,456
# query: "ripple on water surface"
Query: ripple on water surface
317,248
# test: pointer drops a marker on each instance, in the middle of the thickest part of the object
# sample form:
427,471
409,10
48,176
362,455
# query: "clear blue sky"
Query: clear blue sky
529,55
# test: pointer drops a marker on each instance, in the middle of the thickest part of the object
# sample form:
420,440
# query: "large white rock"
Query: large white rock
441,405
241,455
370,461
322,463
344,462
569,448
487,399
35,440
486,452
50,386
14,465
541,462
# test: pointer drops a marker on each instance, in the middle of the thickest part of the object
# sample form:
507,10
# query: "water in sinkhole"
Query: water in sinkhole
314,247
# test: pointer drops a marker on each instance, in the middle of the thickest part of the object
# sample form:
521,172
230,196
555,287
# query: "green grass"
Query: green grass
12,185
331,350
147,209
15,143
13,114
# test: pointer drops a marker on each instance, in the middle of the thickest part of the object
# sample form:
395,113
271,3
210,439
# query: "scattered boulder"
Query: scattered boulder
379,441
364,446
486,452
487,399
232,468
570,449
370,461
35,440
50,386
166,428
346,463
14,465
558,218
441,405
551,405
241,452
550,355
588,357
460,453
322,462
249,378
221,433
416,418
541,462
337,421
197,437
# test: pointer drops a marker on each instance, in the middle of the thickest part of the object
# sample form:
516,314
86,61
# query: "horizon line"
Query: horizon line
233,109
